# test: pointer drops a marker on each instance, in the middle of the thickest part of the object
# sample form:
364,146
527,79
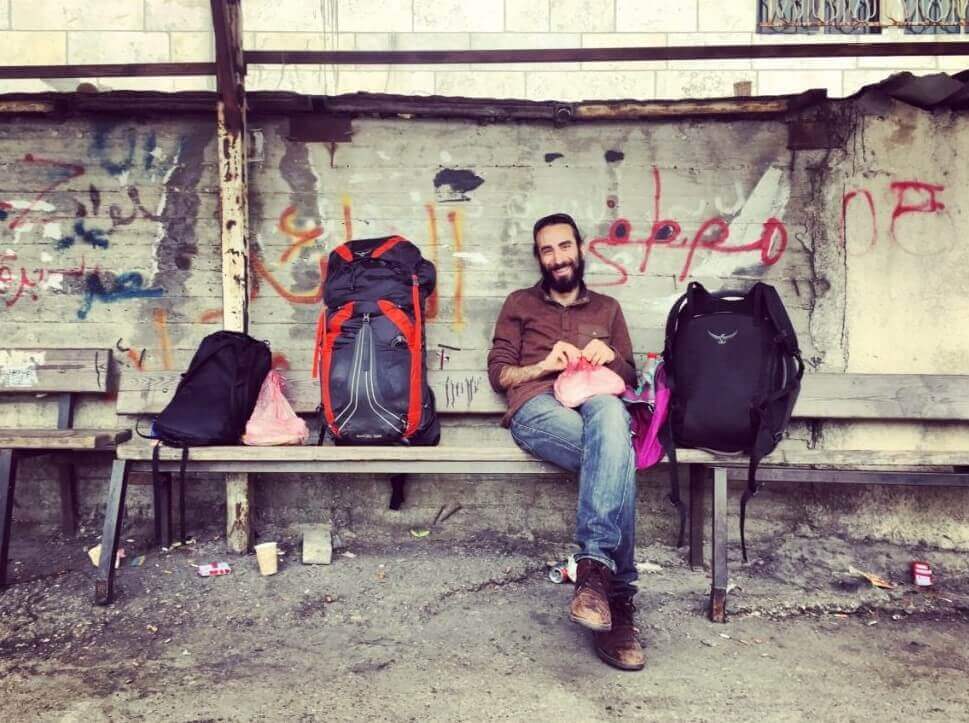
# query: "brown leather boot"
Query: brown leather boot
620,646
590,603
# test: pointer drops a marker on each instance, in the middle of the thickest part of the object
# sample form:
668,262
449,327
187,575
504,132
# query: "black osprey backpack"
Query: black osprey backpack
734,370
370,345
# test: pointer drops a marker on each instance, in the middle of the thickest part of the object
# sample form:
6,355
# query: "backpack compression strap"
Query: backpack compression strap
320,341
416,360
330,333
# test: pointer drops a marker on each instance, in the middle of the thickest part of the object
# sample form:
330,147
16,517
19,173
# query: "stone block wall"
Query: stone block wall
122,31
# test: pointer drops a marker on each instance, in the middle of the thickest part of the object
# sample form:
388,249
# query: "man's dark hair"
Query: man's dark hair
553,220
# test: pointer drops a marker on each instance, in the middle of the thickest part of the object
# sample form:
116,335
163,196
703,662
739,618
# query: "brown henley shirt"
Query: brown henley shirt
531,322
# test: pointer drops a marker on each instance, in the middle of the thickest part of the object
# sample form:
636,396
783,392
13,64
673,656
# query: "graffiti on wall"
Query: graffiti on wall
712,236
53,206
908,200
300,233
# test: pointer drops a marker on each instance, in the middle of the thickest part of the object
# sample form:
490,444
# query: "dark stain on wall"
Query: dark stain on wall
180,213
296,170
613,156
453,184
549,157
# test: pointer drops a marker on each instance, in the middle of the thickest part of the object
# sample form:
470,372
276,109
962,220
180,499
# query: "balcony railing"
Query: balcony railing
921,17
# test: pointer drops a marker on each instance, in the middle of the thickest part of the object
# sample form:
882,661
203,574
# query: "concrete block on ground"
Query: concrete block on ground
317,544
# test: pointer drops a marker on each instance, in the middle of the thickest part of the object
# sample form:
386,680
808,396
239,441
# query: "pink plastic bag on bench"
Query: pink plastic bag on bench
582,379
273,421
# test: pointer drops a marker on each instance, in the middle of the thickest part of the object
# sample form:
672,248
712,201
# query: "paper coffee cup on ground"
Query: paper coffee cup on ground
266,557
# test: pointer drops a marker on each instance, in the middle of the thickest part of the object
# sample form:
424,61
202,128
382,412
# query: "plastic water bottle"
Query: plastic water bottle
649,372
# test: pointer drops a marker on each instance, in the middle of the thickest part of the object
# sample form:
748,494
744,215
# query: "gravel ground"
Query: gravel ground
454,629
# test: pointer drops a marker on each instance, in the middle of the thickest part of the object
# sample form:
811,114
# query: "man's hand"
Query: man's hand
598,352
560,356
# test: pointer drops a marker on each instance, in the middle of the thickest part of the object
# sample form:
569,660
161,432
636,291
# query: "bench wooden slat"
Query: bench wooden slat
66,439
141,450
823,396
54,370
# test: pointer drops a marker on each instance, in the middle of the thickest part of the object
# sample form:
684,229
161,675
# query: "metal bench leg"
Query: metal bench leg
163,511
238,508
66,470
113,518
8,478
68,482
698,477
718,592
178,503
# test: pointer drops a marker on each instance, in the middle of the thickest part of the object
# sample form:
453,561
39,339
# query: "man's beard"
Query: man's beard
563,285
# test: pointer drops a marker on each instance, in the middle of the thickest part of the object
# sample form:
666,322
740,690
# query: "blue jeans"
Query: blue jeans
593,441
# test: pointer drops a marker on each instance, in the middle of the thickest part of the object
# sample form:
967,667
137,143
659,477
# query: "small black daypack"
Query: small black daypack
214,398
734,370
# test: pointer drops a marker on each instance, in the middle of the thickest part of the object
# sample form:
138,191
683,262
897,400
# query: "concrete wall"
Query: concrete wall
122,31
108,236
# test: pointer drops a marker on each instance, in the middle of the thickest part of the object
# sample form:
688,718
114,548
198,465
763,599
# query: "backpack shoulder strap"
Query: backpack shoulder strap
778,315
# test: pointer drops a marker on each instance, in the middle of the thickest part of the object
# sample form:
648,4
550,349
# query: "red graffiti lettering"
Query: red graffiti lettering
664,231
925,201
712,236
73,171
845,202
910,197
26,281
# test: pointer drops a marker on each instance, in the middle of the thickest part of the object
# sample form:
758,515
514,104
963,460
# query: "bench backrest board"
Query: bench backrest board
54,370
824,396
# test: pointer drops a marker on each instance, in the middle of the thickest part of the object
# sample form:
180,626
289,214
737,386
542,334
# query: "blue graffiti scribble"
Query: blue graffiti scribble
126,286
100,150
95,237
150,144
3,214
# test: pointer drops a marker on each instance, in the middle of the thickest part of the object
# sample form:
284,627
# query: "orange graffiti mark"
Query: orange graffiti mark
432,229
313,297
160,319
301,236
455,218
136,359
347,223
210,316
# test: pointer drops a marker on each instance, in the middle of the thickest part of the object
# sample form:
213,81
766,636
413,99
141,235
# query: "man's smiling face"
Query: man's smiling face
559,257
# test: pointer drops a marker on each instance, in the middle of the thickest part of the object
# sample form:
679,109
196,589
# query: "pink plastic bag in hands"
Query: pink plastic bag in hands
582,379
273,421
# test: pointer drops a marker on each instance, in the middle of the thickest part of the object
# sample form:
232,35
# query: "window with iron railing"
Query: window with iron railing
933,17
814,16
927,17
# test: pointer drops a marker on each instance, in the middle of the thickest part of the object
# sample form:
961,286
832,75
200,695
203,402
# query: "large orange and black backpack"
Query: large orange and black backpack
370,345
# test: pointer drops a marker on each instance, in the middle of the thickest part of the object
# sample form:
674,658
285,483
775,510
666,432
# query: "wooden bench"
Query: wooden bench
465,395
26,374
922,399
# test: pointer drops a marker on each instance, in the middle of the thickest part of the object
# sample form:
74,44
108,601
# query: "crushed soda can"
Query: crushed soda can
921,573
211,569
559,572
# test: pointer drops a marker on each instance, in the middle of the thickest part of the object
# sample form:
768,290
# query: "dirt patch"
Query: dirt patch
446,629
